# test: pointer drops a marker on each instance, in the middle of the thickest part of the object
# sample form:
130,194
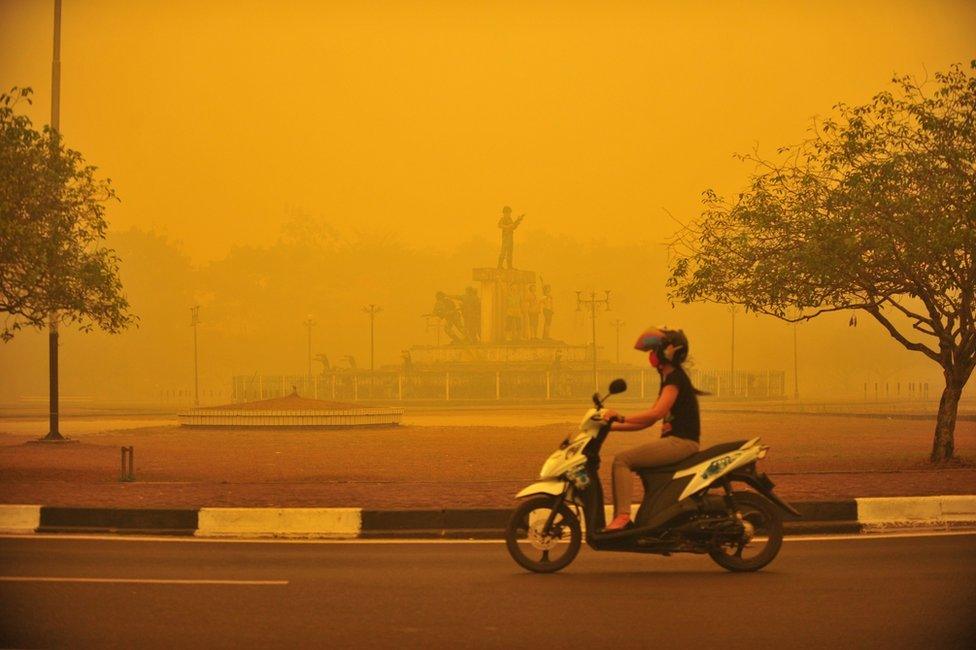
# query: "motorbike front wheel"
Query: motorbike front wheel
539,551
761,539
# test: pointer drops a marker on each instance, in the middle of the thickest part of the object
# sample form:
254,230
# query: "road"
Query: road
890,592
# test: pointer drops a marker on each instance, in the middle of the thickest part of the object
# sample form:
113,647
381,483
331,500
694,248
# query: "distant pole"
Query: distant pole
194,321
593,302
309,322
372,310
796,380
54,434
617,324
732,363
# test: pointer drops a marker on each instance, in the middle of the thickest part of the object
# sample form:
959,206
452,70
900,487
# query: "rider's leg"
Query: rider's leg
663,451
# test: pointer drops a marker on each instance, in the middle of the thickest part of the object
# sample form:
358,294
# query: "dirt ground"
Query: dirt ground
438,460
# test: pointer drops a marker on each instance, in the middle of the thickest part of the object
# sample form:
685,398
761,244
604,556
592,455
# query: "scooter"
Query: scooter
688,506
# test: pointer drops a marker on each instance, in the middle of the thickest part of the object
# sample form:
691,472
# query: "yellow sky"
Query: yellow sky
214,117
220,121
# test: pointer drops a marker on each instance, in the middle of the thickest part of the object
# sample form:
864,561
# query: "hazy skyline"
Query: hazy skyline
220,122
425,118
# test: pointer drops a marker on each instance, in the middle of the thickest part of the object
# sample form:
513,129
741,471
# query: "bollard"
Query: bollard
127,473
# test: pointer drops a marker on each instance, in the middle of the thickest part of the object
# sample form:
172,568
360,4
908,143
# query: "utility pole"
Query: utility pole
372,310
309,323
593,302
617,324
796,380
732,364
54,434
194,321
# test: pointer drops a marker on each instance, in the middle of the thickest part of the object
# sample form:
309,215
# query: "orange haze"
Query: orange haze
280,159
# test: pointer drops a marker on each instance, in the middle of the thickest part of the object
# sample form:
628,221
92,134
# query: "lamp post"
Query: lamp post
732,362
194,321
372,310
309,323
593,302
54,434
617,324
796,380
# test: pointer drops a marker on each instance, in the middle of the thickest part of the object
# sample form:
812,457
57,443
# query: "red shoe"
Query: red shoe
619,523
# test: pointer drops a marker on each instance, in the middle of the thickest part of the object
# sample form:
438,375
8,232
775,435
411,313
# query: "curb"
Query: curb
862,515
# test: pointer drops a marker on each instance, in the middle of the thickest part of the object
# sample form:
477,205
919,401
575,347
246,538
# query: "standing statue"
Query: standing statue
546,310
471,312
532,307
513,313
508,226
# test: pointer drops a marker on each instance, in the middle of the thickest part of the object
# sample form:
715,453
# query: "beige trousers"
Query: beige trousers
663,451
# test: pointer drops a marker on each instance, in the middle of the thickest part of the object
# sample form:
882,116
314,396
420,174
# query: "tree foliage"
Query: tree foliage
875,210
52,225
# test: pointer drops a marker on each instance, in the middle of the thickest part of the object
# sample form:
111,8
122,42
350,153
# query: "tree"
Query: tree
874,210
52,225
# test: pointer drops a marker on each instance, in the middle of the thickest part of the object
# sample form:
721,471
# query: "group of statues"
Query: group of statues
460,315
522,313
519,317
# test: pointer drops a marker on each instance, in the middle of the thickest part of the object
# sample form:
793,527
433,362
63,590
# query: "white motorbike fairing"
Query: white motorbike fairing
706,472
543,487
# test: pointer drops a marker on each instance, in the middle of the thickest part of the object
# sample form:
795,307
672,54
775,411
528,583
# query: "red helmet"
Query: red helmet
669,346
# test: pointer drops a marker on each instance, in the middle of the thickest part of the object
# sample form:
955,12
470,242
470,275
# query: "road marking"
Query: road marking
877,535
144,581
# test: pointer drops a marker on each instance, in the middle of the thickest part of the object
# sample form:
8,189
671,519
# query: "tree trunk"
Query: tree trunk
943,446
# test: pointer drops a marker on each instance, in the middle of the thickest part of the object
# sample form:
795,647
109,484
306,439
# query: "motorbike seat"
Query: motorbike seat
694,459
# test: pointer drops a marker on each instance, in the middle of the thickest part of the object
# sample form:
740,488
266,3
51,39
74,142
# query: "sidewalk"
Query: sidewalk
818,517
812,458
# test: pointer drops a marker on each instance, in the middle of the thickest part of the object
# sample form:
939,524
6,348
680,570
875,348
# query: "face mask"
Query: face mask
652,357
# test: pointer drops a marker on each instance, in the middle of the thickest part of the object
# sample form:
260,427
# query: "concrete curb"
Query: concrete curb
818,517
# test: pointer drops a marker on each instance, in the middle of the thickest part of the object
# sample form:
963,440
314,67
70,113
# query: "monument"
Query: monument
504,320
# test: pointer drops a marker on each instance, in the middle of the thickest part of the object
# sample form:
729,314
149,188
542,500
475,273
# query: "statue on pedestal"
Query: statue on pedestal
532,308
508,226
471,312
513,313
546,310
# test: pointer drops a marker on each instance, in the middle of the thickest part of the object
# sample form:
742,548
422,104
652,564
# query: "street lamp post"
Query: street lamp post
54,434
796,380
372,310
617,324
194,321
732,362
309,323
593,302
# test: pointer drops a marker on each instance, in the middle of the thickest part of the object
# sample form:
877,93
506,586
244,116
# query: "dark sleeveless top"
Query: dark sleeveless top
683,417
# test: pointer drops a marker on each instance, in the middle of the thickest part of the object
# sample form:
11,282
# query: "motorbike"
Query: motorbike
688,507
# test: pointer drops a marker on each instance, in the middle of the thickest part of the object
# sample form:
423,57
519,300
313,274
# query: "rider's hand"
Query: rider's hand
609,415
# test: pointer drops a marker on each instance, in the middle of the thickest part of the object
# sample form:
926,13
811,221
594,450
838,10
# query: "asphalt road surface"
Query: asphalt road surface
891,592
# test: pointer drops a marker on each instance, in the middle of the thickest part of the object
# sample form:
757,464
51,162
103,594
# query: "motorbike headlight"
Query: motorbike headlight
579,477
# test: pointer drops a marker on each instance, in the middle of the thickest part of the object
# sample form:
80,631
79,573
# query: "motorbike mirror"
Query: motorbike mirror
617,386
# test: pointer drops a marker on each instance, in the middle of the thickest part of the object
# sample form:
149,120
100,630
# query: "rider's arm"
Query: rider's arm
644,419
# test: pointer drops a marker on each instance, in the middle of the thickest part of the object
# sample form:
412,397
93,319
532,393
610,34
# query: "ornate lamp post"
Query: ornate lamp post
617,324
372,310
309,323
593,303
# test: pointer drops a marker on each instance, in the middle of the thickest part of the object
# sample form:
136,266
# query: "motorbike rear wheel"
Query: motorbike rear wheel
763,537
535,551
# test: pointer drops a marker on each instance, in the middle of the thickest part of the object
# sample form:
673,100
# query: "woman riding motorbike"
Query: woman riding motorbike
676,407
